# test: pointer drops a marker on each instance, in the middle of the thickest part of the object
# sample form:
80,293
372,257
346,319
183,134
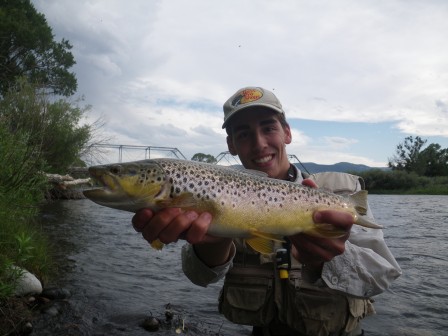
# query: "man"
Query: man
329,282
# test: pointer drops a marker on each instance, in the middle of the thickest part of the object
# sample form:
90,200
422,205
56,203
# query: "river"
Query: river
116,279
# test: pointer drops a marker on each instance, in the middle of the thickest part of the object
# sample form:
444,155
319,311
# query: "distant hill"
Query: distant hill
342,167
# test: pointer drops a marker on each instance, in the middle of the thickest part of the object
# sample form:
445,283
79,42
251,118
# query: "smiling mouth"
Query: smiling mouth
264,159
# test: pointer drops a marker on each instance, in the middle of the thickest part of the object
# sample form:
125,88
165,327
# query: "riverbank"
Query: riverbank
19,315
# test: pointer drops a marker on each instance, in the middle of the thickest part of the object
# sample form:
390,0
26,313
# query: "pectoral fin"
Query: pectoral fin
185,200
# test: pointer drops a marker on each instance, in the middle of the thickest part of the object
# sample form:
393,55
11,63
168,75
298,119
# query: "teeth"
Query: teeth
263,160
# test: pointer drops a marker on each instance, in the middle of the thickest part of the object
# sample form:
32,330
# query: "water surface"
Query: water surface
117,279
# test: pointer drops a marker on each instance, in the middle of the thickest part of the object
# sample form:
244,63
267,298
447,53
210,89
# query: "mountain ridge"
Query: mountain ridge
342,167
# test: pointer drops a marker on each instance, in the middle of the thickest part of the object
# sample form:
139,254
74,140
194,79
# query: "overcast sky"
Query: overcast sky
355,77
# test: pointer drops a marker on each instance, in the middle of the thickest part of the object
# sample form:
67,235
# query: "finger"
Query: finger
341,219
141,218
314,249
177,227
198,230
159,222
309,183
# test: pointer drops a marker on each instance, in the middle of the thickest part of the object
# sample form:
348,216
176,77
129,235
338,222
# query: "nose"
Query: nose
259,141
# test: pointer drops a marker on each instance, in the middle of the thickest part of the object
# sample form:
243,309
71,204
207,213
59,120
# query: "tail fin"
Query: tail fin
364,221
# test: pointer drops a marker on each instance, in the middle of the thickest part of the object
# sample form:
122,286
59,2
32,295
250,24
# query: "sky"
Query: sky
354,77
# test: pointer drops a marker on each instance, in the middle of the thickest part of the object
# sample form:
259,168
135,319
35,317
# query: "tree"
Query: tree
407,155
27,48
201,157
435,160
410,157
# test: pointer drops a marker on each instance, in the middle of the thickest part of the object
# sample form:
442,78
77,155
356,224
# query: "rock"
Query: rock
27,283
51,310
27,329
54,293
151,324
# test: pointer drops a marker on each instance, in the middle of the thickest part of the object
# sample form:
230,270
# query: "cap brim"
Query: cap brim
269,106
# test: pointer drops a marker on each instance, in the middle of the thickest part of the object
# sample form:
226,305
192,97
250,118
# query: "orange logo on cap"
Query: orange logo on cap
247,96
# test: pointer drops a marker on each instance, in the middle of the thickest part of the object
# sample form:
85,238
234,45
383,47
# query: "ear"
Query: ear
288,135
230,145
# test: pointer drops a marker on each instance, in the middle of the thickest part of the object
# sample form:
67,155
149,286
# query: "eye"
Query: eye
115,170
242,135
269,129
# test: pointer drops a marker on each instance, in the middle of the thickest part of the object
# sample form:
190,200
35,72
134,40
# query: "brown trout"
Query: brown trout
242,203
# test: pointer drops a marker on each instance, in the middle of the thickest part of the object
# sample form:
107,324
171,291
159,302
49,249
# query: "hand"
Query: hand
171,224
314,251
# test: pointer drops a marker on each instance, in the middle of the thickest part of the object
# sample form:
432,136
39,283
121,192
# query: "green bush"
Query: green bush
401,182
22,187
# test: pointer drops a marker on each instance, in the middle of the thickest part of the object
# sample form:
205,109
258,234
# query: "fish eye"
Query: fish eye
115,170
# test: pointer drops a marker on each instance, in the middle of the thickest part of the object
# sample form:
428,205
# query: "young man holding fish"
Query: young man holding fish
308,285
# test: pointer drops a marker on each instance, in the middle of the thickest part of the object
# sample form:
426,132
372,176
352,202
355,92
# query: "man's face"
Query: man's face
259,139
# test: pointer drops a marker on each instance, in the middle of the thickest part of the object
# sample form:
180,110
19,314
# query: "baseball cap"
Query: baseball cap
249,97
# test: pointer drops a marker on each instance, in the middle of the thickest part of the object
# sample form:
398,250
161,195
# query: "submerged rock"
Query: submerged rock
56,293
151,324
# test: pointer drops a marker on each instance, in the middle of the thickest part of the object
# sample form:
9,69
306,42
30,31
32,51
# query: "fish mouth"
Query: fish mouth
105,187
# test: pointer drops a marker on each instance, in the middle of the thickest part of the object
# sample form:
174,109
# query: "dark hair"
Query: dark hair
281,118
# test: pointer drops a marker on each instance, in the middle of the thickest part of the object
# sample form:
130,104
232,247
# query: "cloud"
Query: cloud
161,70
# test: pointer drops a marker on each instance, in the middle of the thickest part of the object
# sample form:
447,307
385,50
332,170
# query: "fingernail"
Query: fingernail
206,216
317,217
191,215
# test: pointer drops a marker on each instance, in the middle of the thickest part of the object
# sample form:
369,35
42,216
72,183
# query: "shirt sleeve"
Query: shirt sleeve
366,268
199,273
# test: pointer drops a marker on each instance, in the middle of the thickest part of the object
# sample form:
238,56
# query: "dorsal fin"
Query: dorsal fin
359,200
